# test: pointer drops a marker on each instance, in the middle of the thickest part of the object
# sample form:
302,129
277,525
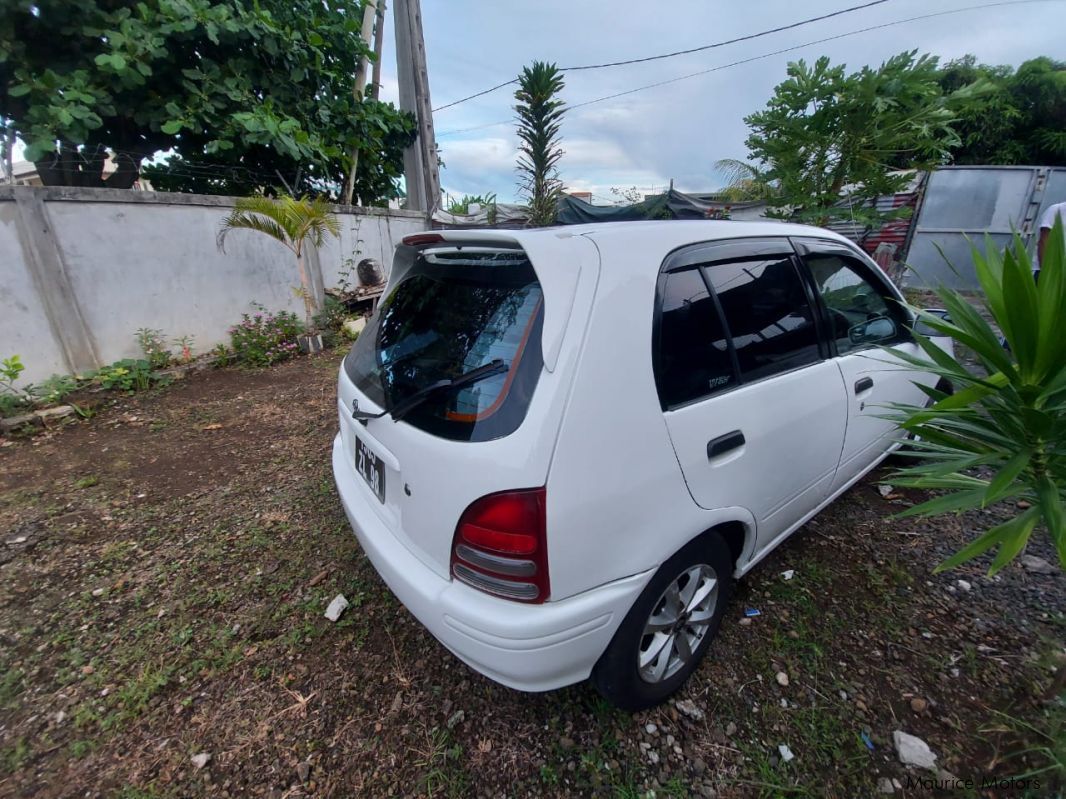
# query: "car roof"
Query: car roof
661,235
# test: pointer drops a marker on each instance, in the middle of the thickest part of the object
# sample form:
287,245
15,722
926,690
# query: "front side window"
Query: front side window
859,315
694,358
452,313
767,314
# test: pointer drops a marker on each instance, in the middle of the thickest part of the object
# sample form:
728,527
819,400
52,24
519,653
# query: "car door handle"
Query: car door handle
863,384
723,444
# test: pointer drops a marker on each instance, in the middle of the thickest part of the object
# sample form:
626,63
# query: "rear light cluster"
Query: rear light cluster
500,546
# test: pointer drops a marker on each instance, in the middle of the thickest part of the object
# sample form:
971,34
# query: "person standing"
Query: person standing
1047,222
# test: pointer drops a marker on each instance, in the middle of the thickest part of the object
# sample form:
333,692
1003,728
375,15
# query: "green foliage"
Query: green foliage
126,375
462,207
540,114
332,315
12,400
293,222
55,389
1007,420
153,346
1019,119
745,182
824,130
263,338
239,91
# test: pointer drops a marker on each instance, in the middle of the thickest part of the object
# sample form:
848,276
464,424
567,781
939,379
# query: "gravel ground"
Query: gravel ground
164,568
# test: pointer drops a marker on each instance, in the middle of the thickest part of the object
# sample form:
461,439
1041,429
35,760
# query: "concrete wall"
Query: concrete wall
82,269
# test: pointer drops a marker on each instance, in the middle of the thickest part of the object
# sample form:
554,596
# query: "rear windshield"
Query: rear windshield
454,311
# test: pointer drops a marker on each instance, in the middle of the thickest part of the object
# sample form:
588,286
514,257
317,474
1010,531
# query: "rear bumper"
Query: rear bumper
528,647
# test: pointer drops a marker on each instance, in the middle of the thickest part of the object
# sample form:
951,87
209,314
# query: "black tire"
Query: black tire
616,674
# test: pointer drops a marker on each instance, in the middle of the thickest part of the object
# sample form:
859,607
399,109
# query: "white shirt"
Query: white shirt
1047,221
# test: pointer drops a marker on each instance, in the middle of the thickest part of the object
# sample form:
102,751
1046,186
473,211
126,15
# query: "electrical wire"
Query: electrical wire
760,57
675,53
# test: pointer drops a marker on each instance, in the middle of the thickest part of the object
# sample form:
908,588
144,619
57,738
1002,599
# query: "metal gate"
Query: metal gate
962,204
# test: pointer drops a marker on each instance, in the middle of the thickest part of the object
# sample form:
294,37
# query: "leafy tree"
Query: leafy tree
1007,419
296,223
824,130
243,95
1019,119
540,113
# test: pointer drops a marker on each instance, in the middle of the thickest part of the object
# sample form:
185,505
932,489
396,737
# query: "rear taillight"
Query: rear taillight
500,545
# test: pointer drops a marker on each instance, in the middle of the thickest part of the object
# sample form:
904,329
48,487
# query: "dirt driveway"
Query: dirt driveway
165,565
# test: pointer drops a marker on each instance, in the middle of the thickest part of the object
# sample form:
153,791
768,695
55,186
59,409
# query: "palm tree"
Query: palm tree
296,223
539,114
745,182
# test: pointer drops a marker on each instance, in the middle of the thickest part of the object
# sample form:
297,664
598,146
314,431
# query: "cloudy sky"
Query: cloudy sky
676,131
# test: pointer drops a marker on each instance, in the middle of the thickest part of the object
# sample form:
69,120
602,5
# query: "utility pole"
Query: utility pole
379,35
357,90
420,159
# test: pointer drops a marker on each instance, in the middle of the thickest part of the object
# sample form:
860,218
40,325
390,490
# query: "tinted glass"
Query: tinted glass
768,315
859,316
451,314
694,356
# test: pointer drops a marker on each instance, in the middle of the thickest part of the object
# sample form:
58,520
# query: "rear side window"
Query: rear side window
767,315
453,312
694,358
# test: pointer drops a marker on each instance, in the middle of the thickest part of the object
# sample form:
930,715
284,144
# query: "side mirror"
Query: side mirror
873,331
922,329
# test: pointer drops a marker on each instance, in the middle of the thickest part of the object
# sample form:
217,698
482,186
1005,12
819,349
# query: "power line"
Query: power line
675,53
746,38
760,57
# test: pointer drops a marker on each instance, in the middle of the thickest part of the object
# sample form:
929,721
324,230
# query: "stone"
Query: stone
884,489
782,679
456,718
336,607
744,622
55,413
15,422
1036,565
913,751
884,785
919,705
730,729
653,757
303,771
964,585
786,753
650,728
688,708
201,760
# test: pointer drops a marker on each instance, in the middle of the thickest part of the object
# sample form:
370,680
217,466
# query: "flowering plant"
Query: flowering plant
263,338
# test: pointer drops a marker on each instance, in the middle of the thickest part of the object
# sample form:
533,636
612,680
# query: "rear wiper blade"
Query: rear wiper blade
474,375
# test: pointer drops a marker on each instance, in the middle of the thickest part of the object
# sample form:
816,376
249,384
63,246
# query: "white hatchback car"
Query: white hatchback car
560,447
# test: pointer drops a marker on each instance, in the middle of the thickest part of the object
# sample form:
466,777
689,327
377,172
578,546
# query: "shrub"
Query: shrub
263,338
12,400
1007,419
154,347
126,375
55,389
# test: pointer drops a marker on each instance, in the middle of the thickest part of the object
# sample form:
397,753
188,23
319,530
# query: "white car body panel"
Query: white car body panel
613,463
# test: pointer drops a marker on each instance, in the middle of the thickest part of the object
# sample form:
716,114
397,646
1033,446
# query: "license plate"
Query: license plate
371,468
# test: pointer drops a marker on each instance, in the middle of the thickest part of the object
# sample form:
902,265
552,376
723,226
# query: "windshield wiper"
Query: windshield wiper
407,405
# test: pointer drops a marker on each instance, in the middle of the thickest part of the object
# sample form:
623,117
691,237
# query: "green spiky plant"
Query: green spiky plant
540,114
296,223
1007,420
